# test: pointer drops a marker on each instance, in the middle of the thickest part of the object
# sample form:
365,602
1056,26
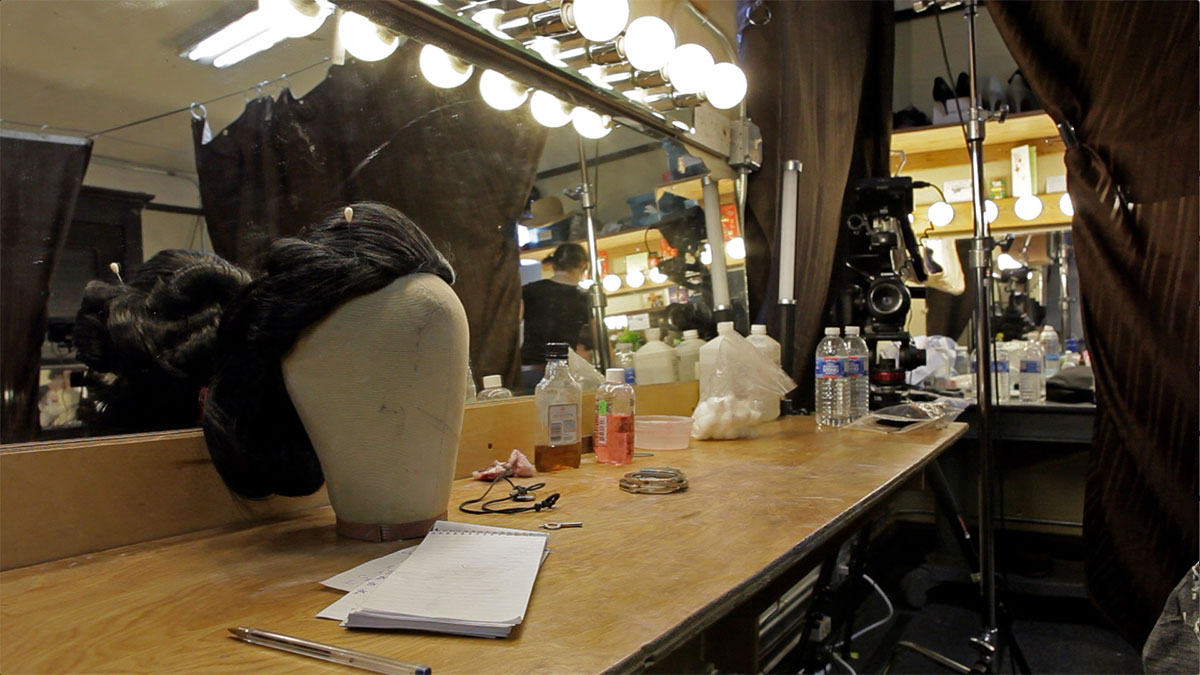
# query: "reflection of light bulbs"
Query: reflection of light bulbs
598,76
1028,207
736,248
616,322
648,43
590,124
549,49
548,110
1006,262
657,276
529,262
295,18
500,92
599,20
940,214
635,279
585,284
689,67
611,282
706,255
990,212
489,19
726,86
364,40
1066,205
522,235
443,69
911,219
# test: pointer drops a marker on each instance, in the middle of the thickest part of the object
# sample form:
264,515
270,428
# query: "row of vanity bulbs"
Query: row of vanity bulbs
639,58
1029,207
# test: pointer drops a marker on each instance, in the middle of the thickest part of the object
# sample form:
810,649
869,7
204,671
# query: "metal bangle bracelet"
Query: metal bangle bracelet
654,481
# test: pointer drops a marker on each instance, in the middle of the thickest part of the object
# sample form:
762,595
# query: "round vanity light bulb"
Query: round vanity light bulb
365,40
990,211
736,248
1028,207
590,124
611,283
648,43
295,18
706,255
500,92
548,110
598,75
600,20
940,214
549,49
726,86
443,69
1006,262
489,20
522,235
1066,205
635,279
530,2
689,67
585,284
657,276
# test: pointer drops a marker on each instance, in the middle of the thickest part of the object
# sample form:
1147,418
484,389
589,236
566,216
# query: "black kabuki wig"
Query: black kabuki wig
254,434
150,342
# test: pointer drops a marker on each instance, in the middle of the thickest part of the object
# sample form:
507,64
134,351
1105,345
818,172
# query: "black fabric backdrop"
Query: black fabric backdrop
821,91
1124,74
39,183
378,131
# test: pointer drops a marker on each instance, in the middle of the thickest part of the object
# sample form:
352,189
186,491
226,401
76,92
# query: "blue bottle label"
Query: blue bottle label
855,365
630,378
829,366
1031,366
1052,357
999,366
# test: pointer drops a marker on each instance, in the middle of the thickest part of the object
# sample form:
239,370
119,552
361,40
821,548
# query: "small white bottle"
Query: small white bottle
831,393
654,363
1032,377
1051,348
493,389
765,344
708,356
857,357
688,352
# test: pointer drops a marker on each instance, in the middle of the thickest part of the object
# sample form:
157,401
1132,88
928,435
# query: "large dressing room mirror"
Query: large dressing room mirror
209,142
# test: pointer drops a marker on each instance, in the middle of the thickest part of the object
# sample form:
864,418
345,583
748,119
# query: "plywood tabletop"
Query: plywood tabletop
643,569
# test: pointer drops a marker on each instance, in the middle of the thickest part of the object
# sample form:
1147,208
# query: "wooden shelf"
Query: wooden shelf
940,146
693,188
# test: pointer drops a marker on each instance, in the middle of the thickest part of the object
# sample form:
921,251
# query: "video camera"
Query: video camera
884,254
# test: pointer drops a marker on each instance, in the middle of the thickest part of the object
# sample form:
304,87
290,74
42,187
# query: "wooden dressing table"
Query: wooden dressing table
645,575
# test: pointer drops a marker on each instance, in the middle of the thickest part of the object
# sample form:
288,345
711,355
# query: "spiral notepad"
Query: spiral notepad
463,579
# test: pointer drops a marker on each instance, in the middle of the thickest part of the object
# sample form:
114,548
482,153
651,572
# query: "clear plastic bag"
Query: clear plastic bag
585,373
742,382
906,417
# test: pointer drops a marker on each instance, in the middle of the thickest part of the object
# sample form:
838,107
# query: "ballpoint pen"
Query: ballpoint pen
348,657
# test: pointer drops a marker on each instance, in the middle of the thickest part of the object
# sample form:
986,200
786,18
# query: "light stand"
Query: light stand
597,301
787,273
987,643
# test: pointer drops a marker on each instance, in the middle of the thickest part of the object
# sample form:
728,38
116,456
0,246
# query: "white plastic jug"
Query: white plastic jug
688,352
654,363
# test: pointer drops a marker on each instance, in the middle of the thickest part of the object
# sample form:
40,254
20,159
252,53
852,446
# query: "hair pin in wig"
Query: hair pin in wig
116,269
253,432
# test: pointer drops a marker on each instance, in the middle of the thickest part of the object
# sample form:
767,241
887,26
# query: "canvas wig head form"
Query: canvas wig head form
254,434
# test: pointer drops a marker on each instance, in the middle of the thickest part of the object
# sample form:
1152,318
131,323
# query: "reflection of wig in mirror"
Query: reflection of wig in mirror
148,343
255,436
57,401
555,308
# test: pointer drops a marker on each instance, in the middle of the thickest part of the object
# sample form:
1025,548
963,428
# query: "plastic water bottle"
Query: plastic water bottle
688,352
708,356
615,407
1070,357
1051,349
655,361
625,362
1032,380
493,389
469,396
857,358
832,393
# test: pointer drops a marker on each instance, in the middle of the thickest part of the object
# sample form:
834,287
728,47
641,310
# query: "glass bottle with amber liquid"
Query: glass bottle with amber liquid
558,398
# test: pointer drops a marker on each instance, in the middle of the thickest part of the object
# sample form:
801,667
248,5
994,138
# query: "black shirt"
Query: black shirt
554,312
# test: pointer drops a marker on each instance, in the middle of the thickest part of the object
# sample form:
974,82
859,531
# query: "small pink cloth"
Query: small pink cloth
517,465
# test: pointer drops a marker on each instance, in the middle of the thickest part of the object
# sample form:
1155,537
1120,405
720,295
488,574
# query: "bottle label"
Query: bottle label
1031,366
630,378
856,365
614,437
1052,357
829,366
562,421
999,366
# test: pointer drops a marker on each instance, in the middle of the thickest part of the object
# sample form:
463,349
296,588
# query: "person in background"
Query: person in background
555,309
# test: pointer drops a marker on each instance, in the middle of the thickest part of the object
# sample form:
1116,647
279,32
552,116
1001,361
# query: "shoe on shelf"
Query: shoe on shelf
1020,97
994,95
941,90
962,87
909,117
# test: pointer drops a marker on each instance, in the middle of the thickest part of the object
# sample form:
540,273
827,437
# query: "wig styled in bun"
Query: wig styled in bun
149,343
257,441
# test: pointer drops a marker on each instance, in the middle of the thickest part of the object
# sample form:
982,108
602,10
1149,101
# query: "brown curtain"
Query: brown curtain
378,131
821,91
40,177
1124,75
